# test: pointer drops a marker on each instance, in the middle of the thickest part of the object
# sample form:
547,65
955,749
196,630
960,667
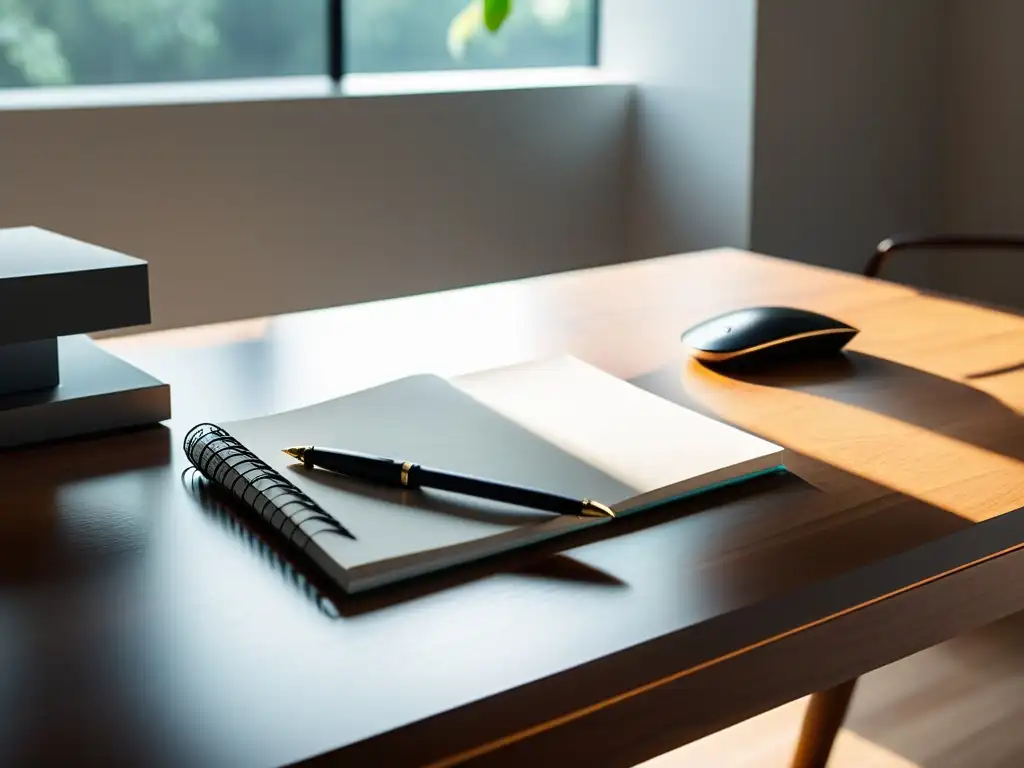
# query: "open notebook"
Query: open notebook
559,425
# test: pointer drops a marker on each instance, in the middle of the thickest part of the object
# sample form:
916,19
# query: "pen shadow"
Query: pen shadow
548,559
426,499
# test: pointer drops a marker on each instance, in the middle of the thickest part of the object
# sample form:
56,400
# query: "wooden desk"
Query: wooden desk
143,625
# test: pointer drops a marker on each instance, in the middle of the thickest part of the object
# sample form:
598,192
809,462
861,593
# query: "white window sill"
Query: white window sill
286,88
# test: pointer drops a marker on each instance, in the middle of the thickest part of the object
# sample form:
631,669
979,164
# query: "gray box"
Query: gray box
55,382
52,285
98,392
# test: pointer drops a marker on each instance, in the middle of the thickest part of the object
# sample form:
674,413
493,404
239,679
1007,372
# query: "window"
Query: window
92,42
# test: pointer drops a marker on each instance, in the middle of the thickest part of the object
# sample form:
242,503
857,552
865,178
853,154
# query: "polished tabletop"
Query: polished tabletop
146,622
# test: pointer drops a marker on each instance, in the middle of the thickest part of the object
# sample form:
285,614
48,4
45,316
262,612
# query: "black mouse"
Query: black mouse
764,336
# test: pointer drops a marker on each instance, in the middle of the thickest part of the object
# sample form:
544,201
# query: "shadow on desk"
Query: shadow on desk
543,561
60,462
945,407
950,408
55,526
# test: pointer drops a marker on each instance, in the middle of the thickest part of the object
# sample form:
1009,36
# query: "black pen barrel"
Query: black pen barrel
384,471
489,489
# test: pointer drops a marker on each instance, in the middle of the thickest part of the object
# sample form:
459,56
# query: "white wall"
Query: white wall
848,127
693,65
805,129
252,208
983,151
800,128
877,117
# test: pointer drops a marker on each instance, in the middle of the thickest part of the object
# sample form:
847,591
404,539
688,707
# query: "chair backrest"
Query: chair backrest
909,242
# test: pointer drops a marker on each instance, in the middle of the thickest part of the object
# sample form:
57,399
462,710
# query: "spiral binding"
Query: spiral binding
223,460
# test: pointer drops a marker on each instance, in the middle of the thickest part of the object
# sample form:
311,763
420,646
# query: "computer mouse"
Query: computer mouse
761,336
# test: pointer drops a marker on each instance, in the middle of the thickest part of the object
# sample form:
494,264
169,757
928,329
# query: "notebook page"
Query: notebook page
643,441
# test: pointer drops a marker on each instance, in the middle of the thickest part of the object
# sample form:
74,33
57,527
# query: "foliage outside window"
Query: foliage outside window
84,42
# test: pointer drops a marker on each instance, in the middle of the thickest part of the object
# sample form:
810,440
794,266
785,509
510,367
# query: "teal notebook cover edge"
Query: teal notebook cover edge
780,469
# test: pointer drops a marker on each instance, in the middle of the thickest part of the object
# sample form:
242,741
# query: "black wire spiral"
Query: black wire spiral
215,453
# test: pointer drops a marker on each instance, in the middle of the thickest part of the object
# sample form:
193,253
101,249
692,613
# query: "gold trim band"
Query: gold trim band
718,357
593,508
405,472
549,725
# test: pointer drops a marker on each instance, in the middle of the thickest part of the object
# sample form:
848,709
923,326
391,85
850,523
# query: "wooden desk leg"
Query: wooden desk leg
822,722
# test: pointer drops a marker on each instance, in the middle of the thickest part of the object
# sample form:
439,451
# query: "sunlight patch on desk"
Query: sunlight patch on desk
946,338
972,482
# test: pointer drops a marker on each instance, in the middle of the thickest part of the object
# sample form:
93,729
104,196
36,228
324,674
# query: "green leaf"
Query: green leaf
495,13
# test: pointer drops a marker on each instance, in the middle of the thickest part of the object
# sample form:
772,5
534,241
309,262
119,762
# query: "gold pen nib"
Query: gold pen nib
593,508
296,453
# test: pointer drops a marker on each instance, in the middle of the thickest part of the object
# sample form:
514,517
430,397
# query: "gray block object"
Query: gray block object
98,392
55,382
52,285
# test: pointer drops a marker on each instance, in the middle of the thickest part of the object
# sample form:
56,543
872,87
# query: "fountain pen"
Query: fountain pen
376,469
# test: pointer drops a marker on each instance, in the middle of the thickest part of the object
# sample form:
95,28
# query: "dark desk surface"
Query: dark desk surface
144,624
